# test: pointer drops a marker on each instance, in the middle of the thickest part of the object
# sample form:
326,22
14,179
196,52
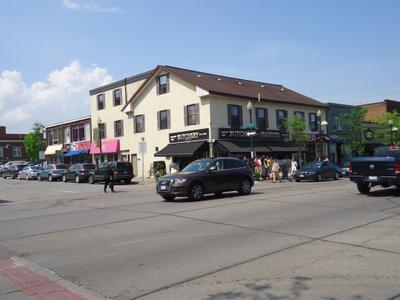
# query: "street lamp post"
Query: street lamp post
392,129
99,122
250,107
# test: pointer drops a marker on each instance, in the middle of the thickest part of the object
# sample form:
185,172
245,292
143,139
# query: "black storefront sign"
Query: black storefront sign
241,134
188,136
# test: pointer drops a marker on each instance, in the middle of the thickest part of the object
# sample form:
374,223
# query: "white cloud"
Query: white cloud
62,96
81,5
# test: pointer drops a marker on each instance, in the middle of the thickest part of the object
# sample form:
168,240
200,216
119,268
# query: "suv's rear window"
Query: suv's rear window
383,152
123,166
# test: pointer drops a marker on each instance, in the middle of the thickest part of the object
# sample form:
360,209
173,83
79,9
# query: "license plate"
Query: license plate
301,175
163,187
373,177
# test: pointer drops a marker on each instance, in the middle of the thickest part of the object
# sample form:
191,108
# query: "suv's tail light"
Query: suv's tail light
350,168
397,169
115,172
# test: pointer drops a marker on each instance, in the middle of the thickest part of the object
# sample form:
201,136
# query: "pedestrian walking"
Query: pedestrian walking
109,179
275,170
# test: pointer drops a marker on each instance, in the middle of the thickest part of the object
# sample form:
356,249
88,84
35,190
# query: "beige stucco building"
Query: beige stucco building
183,114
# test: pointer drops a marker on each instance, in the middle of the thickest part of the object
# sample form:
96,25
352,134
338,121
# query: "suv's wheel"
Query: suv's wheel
319,177
196,192
64,178
51,178
363,188
91,179
245,187
128,181
19,177
39,178
168,198
77,180
336,176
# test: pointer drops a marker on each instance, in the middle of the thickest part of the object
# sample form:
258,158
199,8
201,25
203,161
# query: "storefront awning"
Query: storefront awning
107,146
51,149
240,146
76,152
181,149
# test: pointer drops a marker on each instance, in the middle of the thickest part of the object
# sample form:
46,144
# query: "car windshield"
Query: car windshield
34,168
313,164
198,165
58,167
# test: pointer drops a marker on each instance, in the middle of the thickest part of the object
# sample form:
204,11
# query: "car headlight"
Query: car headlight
180,180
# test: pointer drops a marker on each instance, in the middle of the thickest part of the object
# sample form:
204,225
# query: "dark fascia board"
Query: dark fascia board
120,83
73,121
321,104
341,105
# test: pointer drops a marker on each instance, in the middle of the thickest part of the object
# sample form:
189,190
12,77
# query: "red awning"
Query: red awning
110,146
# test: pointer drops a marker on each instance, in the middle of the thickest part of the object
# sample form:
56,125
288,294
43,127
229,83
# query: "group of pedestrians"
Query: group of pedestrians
269,168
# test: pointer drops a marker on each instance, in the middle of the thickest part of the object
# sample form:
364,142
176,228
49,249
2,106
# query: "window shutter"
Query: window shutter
168,119
277,119
144,128
309,122
266,118
185,114
134,124
229,115
158,86
240,116
197,114
158,120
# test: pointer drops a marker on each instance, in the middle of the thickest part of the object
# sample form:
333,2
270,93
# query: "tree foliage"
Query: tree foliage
390,126
296,126
33,141
352,129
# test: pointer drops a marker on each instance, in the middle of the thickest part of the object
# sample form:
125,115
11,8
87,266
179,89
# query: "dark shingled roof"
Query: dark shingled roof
234,87
228,86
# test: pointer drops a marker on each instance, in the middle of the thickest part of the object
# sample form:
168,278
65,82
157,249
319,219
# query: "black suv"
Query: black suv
122,170
78,172
204,176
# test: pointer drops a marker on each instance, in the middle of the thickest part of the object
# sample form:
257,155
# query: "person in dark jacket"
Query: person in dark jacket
109,179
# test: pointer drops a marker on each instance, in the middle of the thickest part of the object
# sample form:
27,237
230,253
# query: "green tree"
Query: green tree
352,129
296,126
390,126
33,141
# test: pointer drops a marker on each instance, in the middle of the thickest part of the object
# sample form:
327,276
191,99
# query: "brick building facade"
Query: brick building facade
11,146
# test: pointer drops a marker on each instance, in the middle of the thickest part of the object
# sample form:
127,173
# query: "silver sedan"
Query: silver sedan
29,172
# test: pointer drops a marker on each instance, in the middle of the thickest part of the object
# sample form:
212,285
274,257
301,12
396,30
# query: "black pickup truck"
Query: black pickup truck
383,168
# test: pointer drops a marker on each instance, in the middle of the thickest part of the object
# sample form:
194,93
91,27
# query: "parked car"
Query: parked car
383,169
317,171
205,176
29,172
344,168
52,172
122,170
12,171
78,172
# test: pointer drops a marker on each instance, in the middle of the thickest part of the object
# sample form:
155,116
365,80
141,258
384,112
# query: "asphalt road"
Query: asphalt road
284,241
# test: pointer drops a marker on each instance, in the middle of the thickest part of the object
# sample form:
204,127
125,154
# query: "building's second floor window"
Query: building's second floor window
313,122
281,116
101,102
162,84
102,130
1,152
163,118
192,114
117,95
118,128
262,118
139,123
78,132
299,114
235,117
17,151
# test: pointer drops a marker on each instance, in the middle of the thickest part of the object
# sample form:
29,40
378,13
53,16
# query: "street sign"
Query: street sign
142,147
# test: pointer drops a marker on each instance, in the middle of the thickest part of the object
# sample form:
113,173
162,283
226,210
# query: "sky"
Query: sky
52,52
